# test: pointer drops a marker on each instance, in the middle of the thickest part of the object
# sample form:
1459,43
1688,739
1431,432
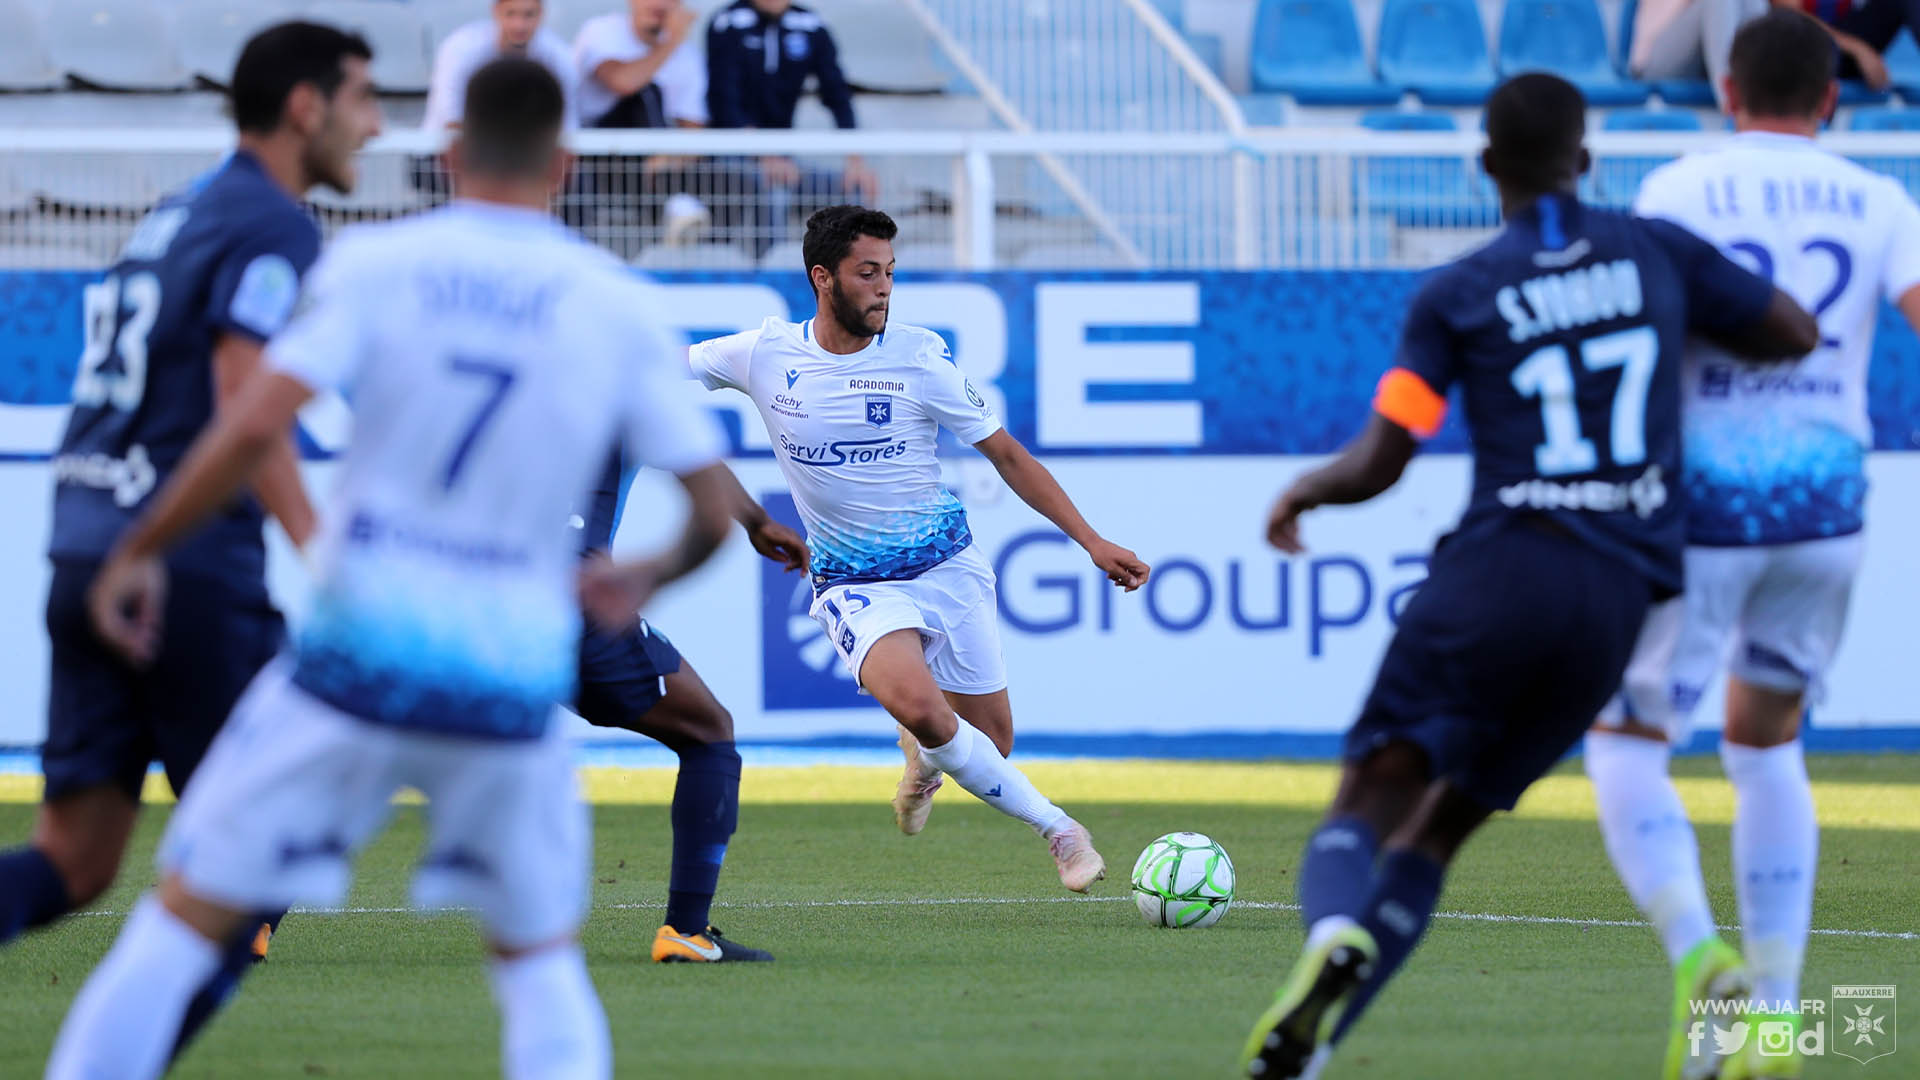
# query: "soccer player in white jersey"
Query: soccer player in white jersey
492,359
854,407
1776,483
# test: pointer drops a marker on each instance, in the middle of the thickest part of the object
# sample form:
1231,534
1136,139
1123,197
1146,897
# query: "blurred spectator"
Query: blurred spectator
1688,39
760,54
637,73
1863,31
514,29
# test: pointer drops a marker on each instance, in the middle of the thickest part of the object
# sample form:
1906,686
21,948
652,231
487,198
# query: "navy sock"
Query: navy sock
235,962
31,892
706,808
1336,873
1404,895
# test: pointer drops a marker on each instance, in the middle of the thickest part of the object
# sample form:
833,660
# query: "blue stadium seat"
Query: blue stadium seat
1903,63
1885,120
1652,120
1264,110
1566,38
1436,48
1311,49
1422,190
1854,92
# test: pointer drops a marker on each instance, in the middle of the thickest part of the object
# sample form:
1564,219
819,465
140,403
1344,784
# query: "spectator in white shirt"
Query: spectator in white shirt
514,30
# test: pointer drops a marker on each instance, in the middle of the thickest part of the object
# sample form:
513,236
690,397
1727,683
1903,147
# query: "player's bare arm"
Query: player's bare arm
1365,467
613,592
1037,488
277,481
770,538
127,598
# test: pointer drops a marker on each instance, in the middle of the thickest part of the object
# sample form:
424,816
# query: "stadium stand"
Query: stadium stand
1311,49
1885,119
1437,49
1565,37
398,34
115,45
25,61
211,32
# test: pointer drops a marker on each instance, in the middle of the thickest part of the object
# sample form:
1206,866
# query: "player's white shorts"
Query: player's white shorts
1780,608
954,606
292,789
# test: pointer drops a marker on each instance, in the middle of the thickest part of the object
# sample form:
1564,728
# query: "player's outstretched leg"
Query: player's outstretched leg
913,797
1652,846
895,672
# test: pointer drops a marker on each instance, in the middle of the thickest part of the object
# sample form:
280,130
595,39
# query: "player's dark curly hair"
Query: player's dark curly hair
1536,124
831,233
281,57
1782,64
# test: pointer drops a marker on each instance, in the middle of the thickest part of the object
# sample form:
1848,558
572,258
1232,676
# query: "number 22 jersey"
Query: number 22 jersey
1777,454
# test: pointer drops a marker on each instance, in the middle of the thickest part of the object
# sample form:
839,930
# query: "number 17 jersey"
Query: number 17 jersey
1777,454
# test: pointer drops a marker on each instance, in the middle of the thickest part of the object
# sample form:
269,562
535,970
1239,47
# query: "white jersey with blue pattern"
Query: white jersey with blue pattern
1777,454
856,437
491,359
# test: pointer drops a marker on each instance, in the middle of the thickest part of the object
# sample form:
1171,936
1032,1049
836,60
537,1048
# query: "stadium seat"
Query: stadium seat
694,257
1855,92
1903,63
1567,38
1880,119
787,256
1437,49
1420,189
25,63
212,32
1070,257
1264,110
908,258
1652,120
115,45
1311,49
397,33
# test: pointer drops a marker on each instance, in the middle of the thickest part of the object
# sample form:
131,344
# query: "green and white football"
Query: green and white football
1183,880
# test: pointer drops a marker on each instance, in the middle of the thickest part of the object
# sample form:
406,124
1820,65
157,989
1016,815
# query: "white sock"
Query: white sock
1776,843
126,1018
551,1024
975,764
1649,838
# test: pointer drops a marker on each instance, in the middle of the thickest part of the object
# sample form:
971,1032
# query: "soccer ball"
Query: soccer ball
1183,880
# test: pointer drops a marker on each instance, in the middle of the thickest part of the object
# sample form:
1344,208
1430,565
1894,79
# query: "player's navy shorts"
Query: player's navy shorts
623,674
107,721
1504,657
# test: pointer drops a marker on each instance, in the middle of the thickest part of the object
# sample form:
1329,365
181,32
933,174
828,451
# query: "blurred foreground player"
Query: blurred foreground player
1776,486
172,332
1564,337
492,359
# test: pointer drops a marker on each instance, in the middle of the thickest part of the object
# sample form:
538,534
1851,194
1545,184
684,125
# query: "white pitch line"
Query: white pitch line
977,901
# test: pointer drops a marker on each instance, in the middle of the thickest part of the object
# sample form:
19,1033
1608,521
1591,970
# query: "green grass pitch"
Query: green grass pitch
956,954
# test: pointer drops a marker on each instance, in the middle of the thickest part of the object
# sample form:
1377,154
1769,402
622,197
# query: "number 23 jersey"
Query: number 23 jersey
1777,454
856,438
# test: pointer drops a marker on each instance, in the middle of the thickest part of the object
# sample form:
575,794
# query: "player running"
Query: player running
633,678
492,359
1776,484
1564,336
172,332
854,407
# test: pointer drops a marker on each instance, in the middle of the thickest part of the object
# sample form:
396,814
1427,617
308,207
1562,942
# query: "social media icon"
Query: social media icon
1776,1038
1728,1041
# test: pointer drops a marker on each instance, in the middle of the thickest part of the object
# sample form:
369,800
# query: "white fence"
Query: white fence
974,200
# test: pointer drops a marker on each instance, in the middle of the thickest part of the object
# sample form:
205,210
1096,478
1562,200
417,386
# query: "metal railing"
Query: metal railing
964,200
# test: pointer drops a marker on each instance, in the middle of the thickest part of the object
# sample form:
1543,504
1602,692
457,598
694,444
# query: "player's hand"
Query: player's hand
1121,566
612,594
779,172
1283,524
861,183
780,544
125,603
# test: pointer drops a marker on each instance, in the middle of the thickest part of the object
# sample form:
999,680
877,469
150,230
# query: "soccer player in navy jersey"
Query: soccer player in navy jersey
172,331
1563,337
634,679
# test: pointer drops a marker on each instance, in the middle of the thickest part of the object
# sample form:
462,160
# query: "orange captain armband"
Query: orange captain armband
1407,400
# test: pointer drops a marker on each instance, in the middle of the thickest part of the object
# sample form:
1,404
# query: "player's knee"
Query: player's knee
928,717
1759,717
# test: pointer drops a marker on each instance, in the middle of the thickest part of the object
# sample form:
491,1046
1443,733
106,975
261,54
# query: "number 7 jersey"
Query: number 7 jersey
1778,454
1563,337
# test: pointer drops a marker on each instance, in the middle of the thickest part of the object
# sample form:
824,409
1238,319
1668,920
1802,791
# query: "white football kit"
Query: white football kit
491,359
856,438
1775,456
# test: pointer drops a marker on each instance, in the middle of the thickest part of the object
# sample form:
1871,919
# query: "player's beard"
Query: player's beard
850,317
329,163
